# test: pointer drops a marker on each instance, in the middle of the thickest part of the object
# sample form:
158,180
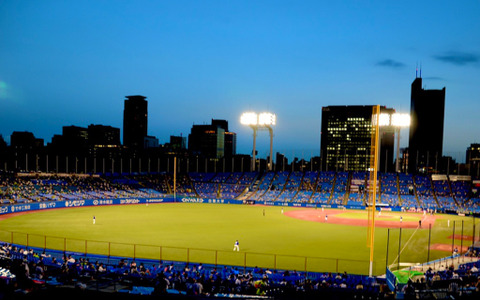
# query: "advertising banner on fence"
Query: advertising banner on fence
121,201
78,203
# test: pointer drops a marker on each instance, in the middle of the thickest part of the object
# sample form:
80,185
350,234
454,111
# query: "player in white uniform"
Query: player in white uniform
236,246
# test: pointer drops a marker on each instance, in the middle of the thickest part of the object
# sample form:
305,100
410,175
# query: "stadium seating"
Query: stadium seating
356,188
231,191
324,187
436,192
53,269
443,193
264,186
461,190
206,189
423,187
307,187
276,188
388,189
340,188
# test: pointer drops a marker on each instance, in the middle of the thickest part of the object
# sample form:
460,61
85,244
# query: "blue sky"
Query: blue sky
73,62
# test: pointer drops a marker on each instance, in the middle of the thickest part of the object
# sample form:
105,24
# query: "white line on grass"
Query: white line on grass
405,245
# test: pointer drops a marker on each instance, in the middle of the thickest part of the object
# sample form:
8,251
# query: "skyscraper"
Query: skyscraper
230,138
135,116
346,139
214,141
427,112
207,141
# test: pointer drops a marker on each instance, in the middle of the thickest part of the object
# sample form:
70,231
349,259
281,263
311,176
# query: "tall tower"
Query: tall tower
135,116
213,141
427,112
346,139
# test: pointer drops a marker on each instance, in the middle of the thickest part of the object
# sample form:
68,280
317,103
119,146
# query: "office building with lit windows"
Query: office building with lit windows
346,136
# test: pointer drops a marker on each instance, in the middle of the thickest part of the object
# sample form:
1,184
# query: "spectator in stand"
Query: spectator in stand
359,286
474,269
71,260
477,285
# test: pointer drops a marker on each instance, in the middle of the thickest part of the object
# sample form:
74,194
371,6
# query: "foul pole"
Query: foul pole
372,187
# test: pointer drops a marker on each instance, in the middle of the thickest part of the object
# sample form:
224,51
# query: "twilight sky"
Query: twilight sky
73,62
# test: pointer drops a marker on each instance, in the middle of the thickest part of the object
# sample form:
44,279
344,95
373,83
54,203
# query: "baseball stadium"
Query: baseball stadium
297,232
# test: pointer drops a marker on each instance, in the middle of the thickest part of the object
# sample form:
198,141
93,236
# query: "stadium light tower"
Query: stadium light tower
260,121
397,121
379,120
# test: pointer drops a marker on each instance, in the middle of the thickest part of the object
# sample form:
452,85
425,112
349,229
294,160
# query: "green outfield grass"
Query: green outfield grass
206,233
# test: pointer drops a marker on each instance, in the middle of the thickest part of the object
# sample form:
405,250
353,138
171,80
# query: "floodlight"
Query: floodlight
266,119
384,119
259,121
248,118
401,120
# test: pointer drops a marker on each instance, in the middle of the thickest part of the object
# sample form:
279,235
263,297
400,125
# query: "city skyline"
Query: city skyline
65,64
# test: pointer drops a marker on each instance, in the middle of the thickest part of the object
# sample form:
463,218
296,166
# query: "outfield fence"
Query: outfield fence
240,259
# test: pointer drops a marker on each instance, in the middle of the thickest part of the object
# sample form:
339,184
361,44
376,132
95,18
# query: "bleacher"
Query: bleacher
441,192
340,188
461,189
276,188
231,191
356,192
291,187
144,277
234,178
406,189
183,187
388,189
324,187
264,185
206,189
424,190
307,187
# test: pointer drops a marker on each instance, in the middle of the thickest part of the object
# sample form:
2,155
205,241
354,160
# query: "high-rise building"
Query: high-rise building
104,136
427,113
3,144
473,153
178,142
230,144
230,138
150,142
207,140
135,117
473,160
104,142
25,140
214,141
346,137
25,149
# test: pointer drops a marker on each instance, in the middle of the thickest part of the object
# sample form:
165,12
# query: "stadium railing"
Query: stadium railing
113,250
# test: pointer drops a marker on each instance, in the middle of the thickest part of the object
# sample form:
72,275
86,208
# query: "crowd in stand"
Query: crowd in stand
340,188
30,270
34,269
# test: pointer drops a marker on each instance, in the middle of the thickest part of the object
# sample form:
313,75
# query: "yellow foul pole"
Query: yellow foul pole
372,182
